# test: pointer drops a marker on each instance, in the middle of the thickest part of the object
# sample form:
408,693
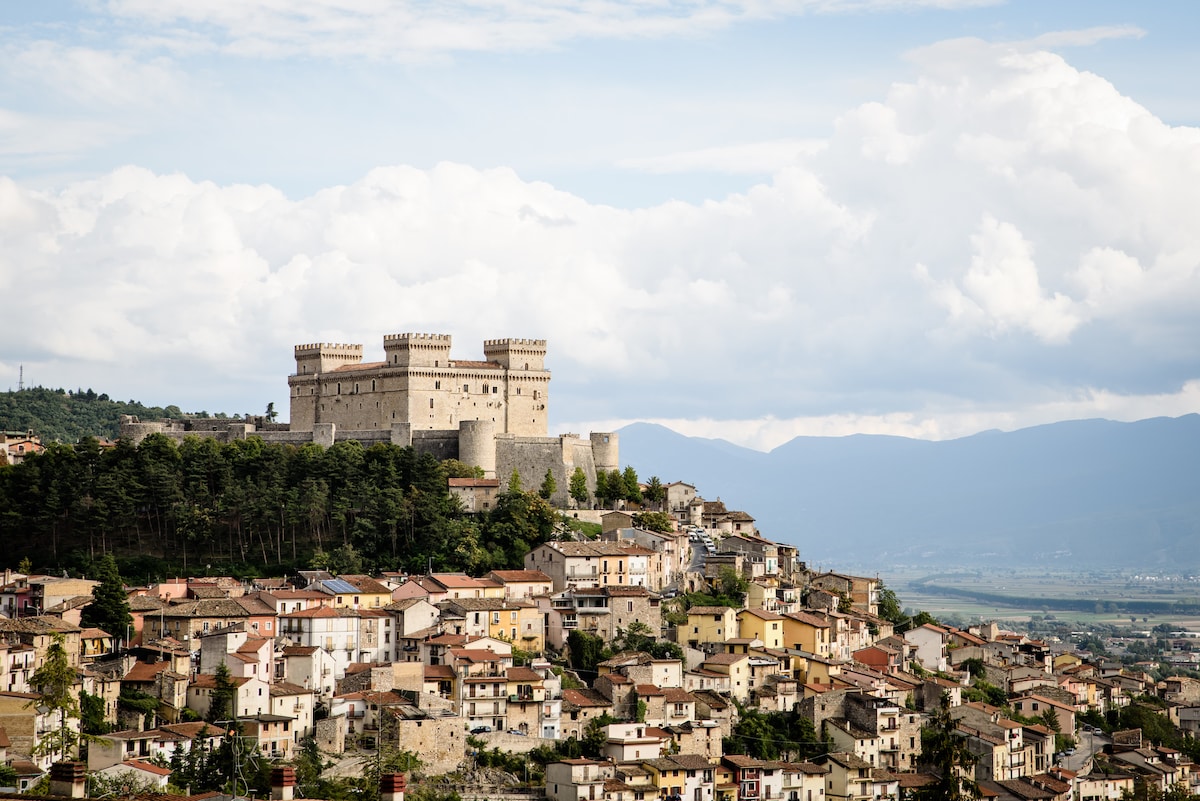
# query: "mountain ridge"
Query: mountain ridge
1093,492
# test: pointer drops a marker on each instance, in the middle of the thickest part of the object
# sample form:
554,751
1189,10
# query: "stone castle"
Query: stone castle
490,413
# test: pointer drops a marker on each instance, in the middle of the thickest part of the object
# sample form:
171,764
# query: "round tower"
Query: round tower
604,451
477,445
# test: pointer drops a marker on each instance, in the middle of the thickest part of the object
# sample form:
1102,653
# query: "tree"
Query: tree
456,469
578,488
947,754
55,681
602,488
91,714
271,413
109,609
732,584
585,651
549,485
656,493
222,704
616,486
889,605
633,489
514,482
654,521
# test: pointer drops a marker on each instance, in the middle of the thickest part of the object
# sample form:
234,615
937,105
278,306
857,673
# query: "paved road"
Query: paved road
1089,743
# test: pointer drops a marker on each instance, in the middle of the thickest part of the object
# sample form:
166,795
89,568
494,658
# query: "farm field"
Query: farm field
1114,597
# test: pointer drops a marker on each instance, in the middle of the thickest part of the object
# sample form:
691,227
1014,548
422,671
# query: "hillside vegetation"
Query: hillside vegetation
249,506
58,415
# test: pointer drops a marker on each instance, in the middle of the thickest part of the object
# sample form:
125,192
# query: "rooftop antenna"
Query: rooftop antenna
21,378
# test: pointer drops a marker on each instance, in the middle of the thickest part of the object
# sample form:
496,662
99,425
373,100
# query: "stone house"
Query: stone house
522,585
597,564
577,780
252,695
474,495
579,707
929,646
737,668
601,611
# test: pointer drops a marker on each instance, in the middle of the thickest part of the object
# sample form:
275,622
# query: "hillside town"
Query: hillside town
650,649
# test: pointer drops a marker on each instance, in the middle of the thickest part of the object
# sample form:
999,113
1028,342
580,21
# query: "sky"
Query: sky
744,219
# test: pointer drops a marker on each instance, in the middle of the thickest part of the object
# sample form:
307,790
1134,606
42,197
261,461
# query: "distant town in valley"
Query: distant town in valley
412,589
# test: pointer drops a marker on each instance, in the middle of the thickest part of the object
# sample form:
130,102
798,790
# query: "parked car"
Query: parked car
481,730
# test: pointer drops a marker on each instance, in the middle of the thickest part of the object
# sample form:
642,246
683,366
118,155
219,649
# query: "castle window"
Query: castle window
518,390
495,390
355,387
466,387
372,384
536,394
339,388
431,403
437,384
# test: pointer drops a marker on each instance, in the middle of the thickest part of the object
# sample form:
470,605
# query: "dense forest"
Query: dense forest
58,415
248,507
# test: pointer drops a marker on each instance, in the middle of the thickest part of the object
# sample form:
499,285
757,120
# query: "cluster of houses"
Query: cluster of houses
423,662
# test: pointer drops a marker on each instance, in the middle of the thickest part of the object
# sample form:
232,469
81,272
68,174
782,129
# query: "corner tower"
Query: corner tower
526,383
304,388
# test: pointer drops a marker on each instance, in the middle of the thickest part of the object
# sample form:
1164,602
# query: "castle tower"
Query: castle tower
516,354
477,445
324,358
605,451
417,350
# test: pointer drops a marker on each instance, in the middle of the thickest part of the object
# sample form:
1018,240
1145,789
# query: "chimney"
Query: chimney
283,784
68,779
391,787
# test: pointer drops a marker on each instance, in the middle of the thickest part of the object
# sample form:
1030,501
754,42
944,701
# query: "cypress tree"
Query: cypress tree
109,609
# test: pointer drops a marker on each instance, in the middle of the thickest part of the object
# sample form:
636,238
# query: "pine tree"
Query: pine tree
109,609
656,493
579,488
549,485
629,481
222,704
946,752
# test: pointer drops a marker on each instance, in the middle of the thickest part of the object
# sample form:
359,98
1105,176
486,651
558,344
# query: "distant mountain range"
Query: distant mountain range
1085,493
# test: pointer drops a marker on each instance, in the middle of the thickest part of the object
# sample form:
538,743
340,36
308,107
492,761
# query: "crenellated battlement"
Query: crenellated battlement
441,340
511,343
516,354
329,348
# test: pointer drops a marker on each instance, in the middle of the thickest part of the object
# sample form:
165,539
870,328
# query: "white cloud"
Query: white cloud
988,235
411,30
931,423
753,158
1085,37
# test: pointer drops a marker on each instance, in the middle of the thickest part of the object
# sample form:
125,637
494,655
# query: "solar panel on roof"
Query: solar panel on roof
340,586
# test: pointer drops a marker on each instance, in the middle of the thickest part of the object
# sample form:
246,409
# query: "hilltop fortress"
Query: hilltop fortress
490,413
